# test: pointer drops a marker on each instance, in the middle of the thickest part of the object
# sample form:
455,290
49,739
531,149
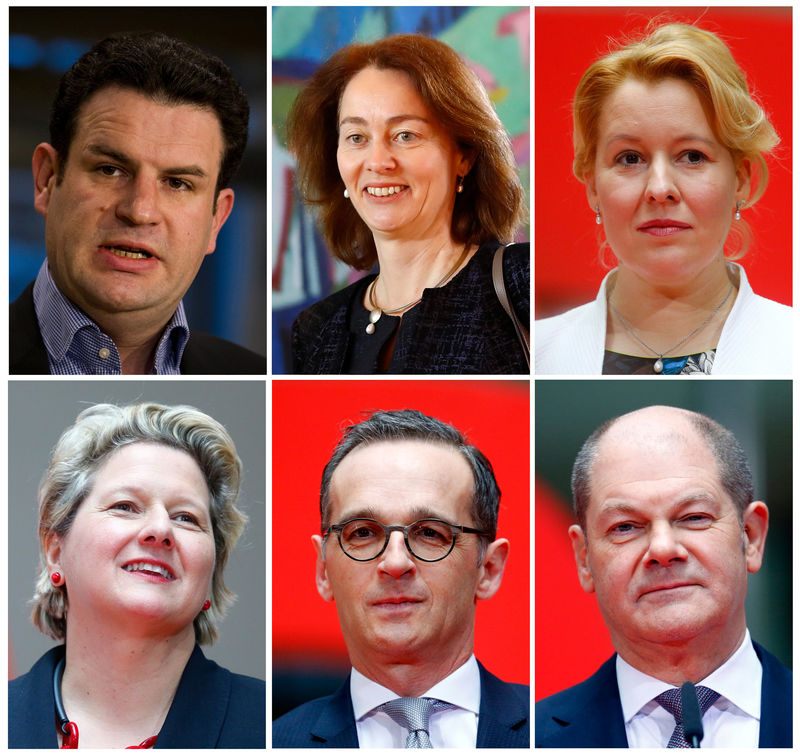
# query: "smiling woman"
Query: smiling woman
137,518
670,145
410,167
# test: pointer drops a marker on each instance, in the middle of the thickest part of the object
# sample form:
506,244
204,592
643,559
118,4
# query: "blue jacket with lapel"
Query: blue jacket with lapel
590,714
328,722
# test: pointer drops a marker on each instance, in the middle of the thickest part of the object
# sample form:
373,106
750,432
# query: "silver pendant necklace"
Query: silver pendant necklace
658,366
376,311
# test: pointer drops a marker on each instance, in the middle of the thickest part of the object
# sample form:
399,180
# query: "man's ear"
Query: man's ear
581,557
323,585
221,213
755,523
45,170
492,569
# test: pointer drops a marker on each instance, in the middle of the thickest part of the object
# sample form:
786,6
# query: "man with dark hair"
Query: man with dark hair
668,531
146,132
409,517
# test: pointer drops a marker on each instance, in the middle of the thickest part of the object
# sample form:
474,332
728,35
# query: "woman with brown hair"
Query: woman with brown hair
408,165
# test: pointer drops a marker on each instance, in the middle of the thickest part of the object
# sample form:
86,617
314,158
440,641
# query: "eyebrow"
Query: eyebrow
638,139
698,496
416,514
359,121
101,150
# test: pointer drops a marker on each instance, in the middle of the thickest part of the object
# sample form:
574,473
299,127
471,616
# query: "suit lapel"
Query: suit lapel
775,728
336,727
504,719
589,714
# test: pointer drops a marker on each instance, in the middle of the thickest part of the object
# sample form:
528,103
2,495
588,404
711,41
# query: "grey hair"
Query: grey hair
409,424
78,456
732,466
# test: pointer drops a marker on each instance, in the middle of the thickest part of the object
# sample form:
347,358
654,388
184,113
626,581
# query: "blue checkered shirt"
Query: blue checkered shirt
76,345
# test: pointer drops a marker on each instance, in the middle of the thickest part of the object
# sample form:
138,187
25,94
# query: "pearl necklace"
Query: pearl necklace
376,311
658,366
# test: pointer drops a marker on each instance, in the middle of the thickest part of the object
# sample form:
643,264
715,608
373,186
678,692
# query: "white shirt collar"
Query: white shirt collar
738,679
461,688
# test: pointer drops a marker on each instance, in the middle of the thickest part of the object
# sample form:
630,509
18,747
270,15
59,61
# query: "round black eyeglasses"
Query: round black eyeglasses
429,539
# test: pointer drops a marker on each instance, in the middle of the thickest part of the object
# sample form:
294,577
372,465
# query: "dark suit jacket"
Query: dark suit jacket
328,723
458,329
212,709
204,354
589,715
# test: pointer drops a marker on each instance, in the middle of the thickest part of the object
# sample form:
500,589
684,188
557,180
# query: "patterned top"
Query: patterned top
622,363
460,328
76,345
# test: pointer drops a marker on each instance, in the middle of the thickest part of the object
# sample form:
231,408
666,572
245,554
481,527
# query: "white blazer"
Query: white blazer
756,337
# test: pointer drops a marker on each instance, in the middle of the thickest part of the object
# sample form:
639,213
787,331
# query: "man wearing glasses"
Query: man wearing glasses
409,519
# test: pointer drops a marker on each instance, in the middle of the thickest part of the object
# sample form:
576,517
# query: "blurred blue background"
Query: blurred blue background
228,297
495,41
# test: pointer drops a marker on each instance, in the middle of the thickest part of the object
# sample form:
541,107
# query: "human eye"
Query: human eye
187,518
360,532
693,157
628,159
123,506
697,520
433,532
623,530
406,137
356,139
109,171
178,184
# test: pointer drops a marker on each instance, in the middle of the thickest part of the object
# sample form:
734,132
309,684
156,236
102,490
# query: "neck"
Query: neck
135,335
410,676
408,267
661,315
685,661
117,688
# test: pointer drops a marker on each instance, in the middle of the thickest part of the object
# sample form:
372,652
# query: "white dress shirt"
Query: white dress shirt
451,728
732,721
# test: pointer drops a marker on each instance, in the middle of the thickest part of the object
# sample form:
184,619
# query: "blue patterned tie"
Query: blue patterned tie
413,714
670,700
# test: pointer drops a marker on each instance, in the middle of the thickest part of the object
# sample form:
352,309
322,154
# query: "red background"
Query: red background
568,40
307,420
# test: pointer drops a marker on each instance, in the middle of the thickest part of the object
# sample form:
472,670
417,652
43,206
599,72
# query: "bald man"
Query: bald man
667,534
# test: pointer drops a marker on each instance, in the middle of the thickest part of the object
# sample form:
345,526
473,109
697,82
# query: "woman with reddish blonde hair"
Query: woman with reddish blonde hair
670,145
407,164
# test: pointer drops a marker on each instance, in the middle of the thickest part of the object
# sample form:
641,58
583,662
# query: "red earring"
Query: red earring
55,577
206,604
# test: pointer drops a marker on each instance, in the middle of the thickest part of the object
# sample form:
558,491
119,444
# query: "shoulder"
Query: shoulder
30,705
290,729
572,342
320,334
586,714
324,722
208,354
27,353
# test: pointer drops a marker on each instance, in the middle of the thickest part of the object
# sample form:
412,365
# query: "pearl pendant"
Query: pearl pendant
658,367
374,316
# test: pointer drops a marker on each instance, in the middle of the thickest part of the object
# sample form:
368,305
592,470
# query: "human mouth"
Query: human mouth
150,568
396,603
125,251
663,227
665,589
385,190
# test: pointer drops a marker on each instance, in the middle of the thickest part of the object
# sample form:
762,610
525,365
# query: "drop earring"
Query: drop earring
460,184
738,214
597,217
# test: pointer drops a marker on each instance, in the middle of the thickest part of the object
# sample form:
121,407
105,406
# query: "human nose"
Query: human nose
157,529
661,185
663,547
380,157
139,202
396,560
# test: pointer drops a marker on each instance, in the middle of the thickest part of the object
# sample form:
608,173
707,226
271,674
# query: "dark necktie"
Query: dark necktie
413,714
670,700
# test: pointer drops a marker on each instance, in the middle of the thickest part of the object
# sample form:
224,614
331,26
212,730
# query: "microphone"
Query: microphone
692,717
